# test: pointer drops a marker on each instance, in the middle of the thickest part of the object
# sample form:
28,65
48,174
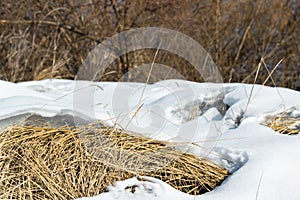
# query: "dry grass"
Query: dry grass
41,39
284,124
53,163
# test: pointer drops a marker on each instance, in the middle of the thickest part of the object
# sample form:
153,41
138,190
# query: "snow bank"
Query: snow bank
220,118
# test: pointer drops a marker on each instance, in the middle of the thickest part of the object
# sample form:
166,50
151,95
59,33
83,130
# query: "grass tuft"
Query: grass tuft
283,123
66,163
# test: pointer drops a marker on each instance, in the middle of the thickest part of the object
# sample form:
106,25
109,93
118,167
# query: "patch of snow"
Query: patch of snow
232,137
146,189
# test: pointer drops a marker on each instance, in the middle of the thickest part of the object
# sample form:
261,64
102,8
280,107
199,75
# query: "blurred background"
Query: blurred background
42,39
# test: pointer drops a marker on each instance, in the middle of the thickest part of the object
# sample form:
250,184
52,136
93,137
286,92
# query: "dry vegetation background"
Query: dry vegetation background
50,39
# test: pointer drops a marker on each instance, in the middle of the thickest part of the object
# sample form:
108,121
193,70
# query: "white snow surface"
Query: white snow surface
220,118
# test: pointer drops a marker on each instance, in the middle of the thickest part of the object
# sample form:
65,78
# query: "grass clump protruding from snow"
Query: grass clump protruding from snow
38,162
284,123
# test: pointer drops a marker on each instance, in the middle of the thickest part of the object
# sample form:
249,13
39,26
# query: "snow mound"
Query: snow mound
219,121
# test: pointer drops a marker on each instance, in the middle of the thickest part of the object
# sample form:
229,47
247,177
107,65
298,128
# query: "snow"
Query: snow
147,189
221,119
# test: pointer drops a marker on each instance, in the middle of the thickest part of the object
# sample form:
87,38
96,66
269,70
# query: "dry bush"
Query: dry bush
67,163
41,39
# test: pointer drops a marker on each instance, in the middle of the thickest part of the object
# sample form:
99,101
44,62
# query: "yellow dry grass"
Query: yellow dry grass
284,124
38,162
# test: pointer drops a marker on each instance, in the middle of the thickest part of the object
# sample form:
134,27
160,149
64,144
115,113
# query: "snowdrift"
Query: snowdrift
219,122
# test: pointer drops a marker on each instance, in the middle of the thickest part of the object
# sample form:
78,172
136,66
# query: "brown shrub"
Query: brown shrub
41,39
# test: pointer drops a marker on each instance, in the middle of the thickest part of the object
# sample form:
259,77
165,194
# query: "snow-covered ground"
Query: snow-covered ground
220,118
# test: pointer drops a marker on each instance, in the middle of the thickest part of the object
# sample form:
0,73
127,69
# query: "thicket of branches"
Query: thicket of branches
50,39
